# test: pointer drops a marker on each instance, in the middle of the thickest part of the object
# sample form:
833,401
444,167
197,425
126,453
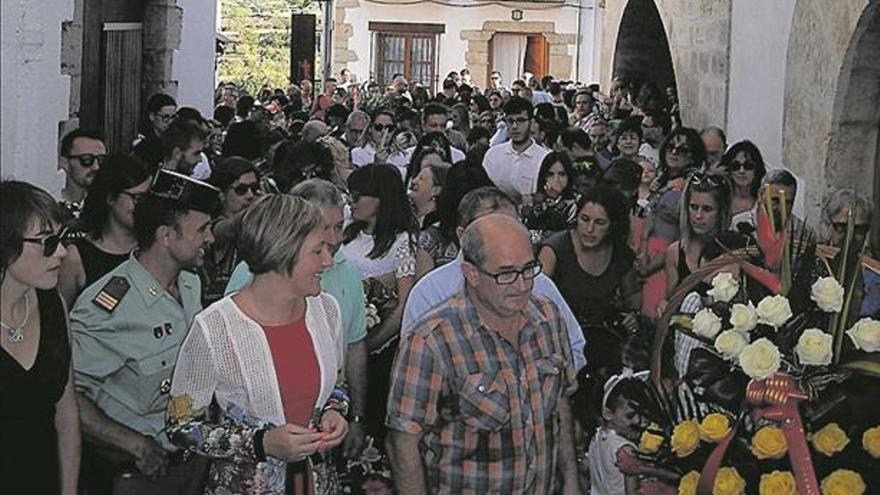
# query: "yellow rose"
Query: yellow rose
769,443
829,440
729,482
714,427
685,438
650,442
871,441
843,482
180,409
688,483
777,483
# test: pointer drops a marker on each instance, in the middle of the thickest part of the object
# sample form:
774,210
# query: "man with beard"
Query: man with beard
82,153
517,161
127,329
182,145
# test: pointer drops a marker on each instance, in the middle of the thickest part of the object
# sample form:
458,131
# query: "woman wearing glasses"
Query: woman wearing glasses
40,433
107,220
380,242
239,185
744,163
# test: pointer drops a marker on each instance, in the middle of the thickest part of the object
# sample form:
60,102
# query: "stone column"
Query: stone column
71,64
163,21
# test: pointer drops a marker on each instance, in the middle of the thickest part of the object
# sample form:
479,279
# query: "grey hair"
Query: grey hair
840,199
319,192
780,177
357,114
481,201
273,231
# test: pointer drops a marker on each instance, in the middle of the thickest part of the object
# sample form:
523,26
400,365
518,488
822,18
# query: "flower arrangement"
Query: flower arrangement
783,383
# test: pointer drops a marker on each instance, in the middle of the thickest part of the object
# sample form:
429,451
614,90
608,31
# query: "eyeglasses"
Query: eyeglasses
679,150
700,179
858,229
747,166
87,160
50,242
508,277
516,120
242,189
165,117
381,127
135,197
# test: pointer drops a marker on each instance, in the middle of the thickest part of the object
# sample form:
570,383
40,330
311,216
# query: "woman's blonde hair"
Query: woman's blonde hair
273,230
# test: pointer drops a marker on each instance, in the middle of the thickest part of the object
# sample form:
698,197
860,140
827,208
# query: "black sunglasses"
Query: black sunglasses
88,159
700,179
242,189
680,149
747,166
135,197
50,242
381,127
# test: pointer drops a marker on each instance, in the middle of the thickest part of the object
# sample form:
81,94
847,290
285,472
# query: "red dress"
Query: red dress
299,380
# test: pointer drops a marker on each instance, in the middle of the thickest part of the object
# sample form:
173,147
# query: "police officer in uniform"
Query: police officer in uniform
127,329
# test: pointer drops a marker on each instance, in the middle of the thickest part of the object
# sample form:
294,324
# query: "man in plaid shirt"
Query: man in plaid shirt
479,401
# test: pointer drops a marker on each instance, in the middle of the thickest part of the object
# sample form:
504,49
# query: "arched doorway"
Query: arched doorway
853,156
642,50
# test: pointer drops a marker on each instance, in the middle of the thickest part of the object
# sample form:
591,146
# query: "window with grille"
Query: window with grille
408,49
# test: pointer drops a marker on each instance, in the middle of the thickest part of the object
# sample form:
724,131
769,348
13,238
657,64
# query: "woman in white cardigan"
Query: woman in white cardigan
256,384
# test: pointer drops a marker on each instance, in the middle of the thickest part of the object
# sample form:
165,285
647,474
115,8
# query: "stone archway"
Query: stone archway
478,47
642,50
854,148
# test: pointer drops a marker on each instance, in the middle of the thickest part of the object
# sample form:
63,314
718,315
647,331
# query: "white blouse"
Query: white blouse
399,260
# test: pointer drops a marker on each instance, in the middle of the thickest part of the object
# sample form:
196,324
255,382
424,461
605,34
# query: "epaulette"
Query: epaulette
112,293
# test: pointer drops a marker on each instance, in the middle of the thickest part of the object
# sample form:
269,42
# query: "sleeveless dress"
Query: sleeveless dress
97,262
27,405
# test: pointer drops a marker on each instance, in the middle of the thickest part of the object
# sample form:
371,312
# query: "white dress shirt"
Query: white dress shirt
518,170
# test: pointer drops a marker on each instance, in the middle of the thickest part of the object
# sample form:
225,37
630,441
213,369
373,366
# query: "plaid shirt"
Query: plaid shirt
487,409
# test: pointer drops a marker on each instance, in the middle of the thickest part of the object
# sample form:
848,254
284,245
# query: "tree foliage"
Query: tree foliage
259,51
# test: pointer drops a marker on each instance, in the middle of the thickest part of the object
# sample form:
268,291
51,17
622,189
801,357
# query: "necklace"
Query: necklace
16,333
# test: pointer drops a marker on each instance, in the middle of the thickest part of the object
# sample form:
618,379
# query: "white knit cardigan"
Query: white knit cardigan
226,357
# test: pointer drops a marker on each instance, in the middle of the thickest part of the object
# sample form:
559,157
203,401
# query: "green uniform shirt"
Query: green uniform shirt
123,357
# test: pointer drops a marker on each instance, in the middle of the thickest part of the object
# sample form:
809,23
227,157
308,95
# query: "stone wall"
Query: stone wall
71,64
163,22
821,34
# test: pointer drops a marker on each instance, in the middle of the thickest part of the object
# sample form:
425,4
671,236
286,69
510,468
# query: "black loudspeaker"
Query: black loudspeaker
302,47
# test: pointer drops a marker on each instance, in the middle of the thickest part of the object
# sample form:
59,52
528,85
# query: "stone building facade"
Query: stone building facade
800,78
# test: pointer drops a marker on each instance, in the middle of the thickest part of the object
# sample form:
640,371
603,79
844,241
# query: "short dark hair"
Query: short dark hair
22,202
517,104
180,134
574,135
70,137
190,113
434,108
628,125
244,105
661,118
224,115
244,139
159,100
120,172
152,212
476,133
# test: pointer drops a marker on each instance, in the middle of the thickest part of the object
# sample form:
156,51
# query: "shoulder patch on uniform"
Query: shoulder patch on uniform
112,292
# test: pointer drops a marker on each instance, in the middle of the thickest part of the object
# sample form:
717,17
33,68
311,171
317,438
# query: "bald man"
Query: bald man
480,394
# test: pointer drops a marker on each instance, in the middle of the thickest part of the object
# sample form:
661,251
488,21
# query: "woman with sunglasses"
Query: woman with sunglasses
681,152
239,186
40,433
744,163
438,142
380,242
107,222
379,136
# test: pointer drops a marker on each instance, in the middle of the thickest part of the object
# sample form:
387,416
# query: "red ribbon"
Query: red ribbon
776,399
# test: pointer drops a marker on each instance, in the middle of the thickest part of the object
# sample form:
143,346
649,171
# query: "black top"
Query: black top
95,261
593,299
29,457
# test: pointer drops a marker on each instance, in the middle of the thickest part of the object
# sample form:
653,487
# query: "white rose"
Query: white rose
743,317
774,311
730,344
706,323
828,294
814,347
865,335
724,287
760,359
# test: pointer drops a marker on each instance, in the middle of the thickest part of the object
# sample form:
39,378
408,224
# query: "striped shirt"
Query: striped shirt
487,410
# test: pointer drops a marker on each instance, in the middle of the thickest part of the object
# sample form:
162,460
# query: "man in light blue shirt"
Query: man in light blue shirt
447,280
343,282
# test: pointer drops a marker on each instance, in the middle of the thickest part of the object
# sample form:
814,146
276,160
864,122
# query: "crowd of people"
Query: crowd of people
372,289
